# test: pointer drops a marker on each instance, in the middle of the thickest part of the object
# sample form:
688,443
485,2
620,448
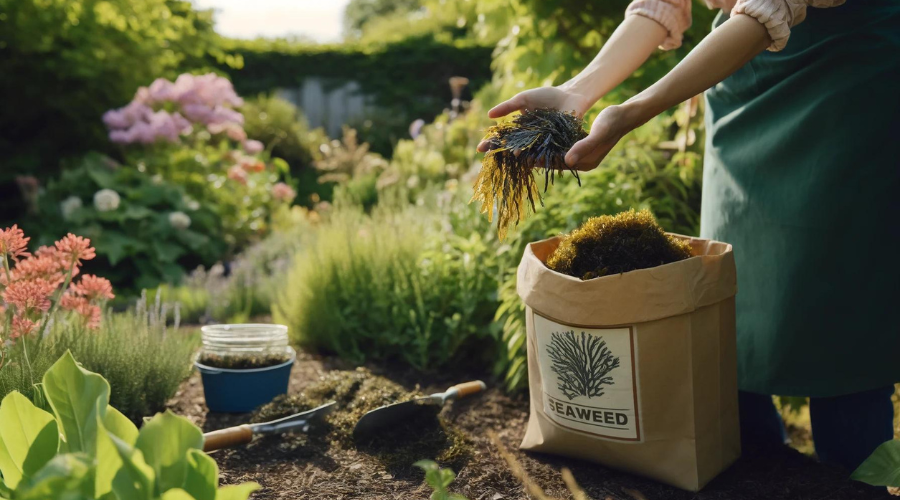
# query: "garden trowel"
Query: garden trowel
423,407
243,434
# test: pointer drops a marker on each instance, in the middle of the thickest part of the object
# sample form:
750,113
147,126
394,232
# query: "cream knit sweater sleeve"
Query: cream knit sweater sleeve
778,16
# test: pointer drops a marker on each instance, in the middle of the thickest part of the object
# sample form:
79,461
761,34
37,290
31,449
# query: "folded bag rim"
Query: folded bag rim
633,297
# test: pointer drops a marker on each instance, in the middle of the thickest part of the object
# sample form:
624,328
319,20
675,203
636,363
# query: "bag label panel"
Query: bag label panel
589,378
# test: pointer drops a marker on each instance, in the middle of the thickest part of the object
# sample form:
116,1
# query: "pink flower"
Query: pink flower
22,327
93,288
283,192
198,113
236,133
29,295
253,147
44,265
13,243
90,313
236,173
127,116
119,136
73,249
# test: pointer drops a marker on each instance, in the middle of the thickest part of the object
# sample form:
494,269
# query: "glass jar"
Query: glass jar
244,346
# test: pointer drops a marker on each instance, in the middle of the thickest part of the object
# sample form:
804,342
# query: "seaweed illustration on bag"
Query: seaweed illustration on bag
581,363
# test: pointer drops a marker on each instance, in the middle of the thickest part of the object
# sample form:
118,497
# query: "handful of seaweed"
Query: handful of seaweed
535,139
613,244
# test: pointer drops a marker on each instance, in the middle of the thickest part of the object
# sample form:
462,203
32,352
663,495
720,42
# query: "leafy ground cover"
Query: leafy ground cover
300,467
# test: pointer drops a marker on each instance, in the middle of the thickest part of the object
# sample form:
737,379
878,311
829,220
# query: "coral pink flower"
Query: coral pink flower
73,249
236,133
252,165
283,192
236,173
82,306
93,288
46,267
22,327
253,147
13,242
29,295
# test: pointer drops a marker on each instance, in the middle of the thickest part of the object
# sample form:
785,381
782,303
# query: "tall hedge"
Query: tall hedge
407,79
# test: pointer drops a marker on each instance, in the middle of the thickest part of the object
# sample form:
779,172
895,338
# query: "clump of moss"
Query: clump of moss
613,244
243,362
536,139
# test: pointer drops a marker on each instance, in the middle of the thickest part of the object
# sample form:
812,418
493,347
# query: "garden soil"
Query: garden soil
316,467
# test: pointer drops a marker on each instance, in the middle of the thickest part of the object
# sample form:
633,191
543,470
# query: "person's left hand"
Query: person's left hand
611,124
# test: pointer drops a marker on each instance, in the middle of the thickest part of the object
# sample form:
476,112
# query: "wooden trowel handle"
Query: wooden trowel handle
467,388
225,438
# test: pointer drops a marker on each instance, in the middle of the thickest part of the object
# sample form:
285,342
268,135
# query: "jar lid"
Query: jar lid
253,337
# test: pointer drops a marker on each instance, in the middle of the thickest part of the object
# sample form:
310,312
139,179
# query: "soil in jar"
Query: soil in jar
243,361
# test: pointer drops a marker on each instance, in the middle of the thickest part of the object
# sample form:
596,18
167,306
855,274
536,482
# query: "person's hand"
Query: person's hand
611,124
545,97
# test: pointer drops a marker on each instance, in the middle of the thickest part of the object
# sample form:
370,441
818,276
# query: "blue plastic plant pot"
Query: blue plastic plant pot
241,391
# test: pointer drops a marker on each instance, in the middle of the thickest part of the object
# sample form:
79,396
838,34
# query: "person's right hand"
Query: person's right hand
544,97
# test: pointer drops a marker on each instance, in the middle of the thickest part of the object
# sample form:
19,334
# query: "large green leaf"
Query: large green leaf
66,477
134,480
120,426
79,399
882,468
236,492
114,428
29,438
202,476
165,440
177,494
5,492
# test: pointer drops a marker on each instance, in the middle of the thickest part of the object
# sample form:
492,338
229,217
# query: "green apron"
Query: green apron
802,176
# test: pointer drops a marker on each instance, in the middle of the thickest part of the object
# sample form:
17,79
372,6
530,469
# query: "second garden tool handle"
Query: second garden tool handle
225,438
467,388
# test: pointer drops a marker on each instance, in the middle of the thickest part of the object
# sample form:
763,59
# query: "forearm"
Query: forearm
725,50
625,51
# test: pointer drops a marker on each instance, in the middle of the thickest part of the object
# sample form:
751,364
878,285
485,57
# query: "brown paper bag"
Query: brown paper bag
636,371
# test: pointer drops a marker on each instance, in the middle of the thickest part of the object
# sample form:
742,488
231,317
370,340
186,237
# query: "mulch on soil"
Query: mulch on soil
300,467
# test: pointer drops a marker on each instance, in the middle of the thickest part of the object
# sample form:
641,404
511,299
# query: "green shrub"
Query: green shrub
143,360
390,286
138,244
86,449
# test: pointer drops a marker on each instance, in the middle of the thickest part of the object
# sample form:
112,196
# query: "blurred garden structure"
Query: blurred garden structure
325,187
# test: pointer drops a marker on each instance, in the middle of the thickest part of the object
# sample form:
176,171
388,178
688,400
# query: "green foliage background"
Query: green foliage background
63,63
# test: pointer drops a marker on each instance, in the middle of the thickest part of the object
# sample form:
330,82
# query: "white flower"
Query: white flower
179,220
106,200
69,205
191,203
